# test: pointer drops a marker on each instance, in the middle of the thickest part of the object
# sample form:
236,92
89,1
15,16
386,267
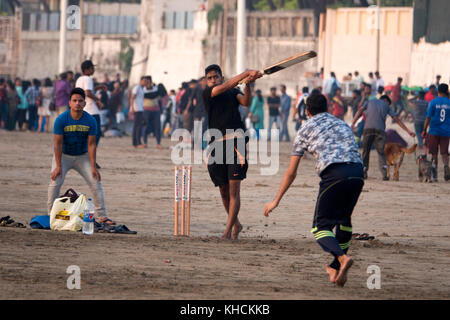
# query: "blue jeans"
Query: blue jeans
284,127
418,127
32,117
153,120
272,120
398,107
99,128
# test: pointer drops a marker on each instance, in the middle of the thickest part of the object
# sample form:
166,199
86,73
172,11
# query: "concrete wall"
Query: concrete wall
39,51
170,56
264,48
429,60
347,42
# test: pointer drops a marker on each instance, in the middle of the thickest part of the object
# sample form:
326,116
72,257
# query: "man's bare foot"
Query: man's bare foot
226,236
141,146
159,147
346,262
236,231
332,273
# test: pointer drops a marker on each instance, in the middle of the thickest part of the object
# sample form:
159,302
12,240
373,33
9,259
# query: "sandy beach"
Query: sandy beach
274,258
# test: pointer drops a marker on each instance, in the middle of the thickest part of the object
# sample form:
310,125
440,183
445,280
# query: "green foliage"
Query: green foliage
213,14
126,55
262,5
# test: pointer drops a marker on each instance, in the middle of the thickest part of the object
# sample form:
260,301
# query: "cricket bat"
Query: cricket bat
288,62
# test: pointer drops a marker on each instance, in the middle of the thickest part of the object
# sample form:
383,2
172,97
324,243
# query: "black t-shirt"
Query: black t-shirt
274,111
223,110
199,109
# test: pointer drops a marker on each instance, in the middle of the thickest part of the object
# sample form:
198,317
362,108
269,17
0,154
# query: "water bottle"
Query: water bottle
88,217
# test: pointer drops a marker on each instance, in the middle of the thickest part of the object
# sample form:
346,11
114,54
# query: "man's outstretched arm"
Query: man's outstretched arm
248,76
401,124
288,178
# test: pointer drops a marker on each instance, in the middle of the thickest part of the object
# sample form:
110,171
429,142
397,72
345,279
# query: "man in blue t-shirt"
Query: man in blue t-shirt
75,148
438,118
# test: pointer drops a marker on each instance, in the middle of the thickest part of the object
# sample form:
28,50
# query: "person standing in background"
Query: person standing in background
61,90
285,109
137,110
93,103
273,101
431,94
23,105
13,103
419,113
338,105
379,80
32,95
438,121
397,97
257,113
3,104
373,84
114,105
44,109
152,111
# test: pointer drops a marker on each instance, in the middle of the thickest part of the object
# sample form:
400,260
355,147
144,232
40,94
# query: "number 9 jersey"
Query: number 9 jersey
439,113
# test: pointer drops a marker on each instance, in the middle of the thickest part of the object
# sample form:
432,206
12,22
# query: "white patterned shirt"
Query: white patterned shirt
329,139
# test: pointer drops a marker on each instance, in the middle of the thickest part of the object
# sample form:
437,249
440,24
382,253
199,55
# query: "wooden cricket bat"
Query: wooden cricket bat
288,62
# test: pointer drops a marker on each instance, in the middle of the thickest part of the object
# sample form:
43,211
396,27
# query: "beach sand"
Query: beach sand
274,258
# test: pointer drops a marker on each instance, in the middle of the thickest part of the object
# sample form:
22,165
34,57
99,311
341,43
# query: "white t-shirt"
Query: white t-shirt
86,83
138,104
380,83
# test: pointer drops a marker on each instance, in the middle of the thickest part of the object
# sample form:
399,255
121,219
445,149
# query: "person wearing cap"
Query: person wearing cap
93,102
438,119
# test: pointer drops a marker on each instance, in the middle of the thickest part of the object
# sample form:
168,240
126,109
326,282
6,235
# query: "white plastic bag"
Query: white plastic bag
67,216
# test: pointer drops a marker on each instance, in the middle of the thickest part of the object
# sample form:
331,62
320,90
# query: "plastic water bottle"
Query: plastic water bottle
88,218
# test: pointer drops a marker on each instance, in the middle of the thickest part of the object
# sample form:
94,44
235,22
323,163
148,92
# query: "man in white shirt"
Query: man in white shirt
93,103
137,109
380,81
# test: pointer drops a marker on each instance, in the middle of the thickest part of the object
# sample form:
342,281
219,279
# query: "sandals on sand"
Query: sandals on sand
364,236
108,221
8,222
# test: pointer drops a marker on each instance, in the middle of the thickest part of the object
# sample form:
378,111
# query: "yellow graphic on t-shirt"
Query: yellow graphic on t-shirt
76,128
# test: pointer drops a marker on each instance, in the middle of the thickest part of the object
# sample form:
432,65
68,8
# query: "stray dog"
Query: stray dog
394,153
425,168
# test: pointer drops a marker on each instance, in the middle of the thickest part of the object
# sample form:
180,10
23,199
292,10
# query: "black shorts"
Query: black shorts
339,191
232,166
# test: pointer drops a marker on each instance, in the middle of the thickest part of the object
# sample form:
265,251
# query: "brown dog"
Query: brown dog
394,153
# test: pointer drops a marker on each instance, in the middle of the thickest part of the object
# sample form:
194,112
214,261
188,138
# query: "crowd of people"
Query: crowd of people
34,105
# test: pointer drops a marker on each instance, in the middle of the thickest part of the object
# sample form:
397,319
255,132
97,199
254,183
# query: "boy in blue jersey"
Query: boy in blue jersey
438,119
75,148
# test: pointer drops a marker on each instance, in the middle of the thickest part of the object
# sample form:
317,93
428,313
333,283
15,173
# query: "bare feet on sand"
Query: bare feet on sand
332,273
346,262
232,234
236,230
